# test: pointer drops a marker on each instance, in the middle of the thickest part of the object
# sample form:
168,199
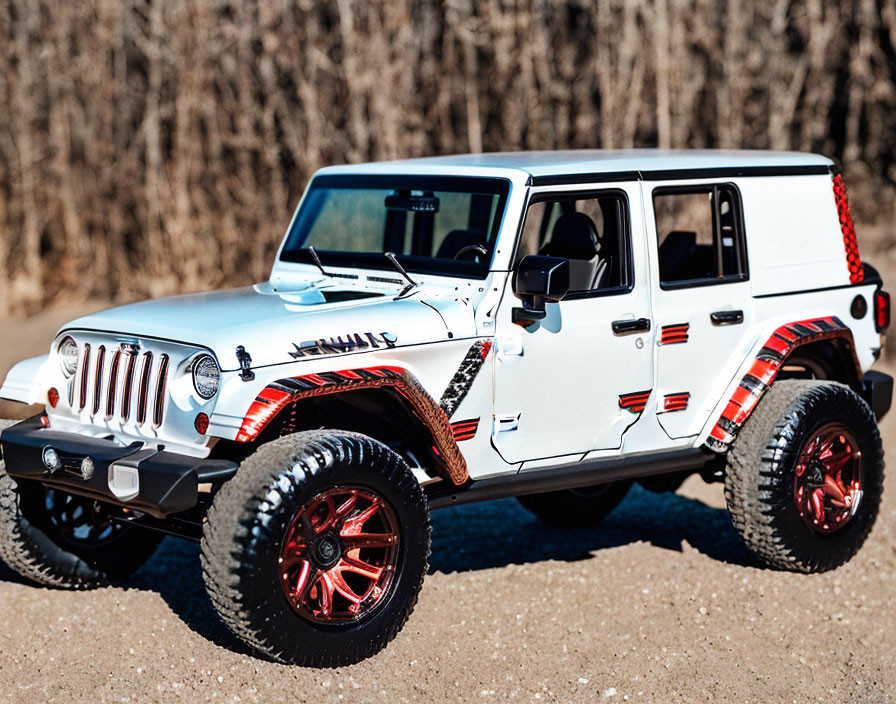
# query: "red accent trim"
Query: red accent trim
853,260
276,396
762,373
676,402
465,429
634,402
674,334
485,348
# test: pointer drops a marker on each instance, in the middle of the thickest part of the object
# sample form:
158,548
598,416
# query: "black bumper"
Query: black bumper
877,390
166,482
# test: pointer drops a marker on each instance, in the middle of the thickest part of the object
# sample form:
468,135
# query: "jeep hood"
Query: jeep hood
270,324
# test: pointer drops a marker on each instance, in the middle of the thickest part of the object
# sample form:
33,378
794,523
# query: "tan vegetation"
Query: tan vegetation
153,146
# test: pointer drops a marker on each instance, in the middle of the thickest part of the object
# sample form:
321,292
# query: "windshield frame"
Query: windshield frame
494,185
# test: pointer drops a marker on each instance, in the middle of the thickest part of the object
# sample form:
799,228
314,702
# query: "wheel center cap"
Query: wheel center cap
326,551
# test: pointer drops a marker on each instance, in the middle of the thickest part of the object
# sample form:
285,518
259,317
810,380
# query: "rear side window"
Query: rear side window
590,230
699,235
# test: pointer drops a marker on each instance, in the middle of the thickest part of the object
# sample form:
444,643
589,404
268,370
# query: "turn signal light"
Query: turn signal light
201,423
52,397
881,310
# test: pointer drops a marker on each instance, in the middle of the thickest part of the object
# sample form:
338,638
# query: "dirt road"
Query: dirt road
659,604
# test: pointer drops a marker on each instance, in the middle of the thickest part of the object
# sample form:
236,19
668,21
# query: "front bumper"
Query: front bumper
149,480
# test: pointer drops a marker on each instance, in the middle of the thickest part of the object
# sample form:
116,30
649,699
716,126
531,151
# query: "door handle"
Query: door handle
626,327
727,317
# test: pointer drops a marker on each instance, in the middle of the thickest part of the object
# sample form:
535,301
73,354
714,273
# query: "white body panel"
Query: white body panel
545,395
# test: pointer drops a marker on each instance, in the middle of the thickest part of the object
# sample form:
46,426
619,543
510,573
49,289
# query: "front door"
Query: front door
570,384
702,300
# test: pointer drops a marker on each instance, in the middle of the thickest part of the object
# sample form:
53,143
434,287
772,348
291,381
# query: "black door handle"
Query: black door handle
727,317
625,327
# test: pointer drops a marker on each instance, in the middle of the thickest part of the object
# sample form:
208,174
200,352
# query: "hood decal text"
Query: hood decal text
353,342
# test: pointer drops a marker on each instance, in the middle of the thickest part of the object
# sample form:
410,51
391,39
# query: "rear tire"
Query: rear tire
576,508
277,553
805,476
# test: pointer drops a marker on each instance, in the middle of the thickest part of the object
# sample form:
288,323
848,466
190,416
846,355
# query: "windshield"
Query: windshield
434,225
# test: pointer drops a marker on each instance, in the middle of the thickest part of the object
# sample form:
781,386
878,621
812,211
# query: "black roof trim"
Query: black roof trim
679,174
572,179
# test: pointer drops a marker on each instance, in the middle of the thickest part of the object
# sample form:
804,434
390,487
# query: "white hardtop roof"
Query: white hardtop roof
593,161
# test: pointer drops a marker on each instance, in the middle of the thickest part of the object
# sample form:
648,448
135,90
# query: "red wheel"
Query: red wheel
828,482
315,552
339,555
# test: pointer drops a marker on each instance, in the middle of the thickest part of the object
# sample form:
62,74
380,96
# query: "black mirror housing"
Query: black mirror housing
538,280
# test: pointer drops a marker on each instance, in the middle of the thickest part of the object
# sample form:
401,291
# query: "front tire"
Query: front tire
58,539
805,476
315,552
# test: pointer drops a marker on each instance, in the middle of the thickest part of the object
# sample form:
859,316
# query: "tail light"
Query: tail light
853,260
881,310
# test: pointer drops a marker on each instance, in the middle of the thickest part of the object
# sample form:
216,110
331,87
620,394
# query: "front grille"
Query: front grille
126,383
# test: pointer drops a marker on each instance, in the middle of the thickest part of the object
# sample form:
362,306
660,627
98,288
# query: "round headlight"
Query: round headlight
206,376
68,356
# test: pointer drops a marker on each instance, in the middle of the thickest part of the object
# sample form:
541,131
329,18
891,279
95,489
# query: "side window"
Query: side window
591,231
699,235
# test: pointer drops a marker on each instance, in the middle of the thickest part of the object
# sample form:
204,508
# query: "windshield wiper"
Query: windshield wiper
401,270
313,252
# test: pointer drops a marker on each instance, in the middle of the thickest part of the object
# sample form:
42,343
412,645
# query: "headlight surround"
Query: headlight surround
206,376
68,356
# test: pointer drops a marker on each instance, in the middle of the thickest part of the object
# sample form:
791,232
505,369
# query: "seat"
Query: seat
676,255
575,238
456,240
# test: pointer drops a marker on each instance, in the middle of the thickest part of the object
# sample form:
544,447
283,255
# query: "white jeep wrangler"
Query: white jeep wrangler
552,326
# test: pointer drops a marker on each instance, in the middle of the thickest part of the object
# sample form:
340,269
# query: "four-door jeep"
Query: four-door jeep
552,326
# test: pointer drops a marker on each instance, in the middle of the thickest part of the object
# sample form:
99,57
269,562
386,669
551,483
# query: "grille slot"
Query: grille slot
85,371
143,393
130,385
162,385
98,378
113,385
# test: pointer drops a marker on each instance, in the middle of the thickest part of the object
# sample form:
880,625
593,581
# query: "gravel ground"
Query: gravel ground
659,604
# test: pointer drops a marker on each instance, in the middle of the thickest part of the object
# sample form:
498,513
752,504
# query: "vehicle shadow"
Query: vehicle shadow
475,537
497,533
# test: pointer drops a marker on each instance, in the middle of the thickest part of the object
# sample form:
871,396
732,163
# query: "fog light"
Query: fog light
87,468
52,397
51,459
124,482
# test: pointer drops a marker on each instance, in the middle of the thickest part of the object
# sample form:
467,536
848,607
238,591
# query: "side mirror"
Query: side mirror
538,280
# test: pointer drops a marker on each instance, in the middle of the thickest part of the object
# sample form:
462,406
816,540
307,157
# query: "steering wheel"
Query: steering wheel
470,248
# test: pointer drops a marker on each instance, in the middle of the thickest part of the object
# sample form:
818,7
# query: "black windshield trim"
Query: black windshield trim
497,186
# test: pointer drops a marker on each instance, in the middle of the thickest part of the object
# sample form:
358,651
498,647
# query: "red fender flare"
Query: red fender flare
279,394
768,362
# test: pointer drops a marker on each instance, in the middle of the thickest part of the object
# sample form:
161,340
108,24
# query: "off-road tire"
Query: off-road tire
576,508
760,474
31,546
247,524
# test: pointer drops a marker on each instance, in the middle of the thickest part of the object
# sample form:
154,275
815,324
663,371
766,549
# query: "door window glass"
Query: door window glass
699,235
590,231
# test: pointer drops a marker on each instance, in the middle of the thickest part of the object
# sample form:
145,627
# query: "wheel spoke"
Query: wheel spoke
368,540
355,523
289,558
341,586
325,588
345,509
365,569
833,488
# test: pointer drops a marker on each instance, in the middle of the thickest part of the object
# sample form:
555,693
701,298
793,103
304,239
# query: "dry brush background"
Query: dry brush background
155,146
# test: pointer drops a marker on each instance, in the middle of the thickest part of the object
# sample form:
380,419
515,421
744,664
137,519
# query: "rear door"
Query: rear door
702,300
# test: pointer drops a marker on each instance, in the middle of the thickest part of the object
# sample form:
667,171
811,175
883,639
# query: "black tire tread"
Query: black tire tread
293,458
756,461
